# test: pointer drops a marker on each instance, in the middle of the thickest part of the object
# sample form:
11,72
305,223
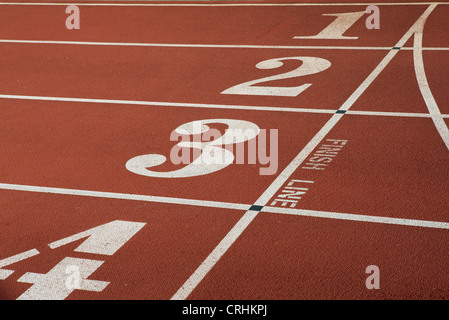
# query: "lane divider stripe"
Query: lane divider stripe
216,106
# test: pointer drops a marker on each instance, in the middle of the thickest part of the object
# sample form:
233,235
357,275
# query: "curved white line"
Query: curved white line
426,93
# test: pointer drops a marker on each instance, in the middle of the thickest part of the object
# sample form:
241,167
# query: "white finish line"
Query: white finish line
198,275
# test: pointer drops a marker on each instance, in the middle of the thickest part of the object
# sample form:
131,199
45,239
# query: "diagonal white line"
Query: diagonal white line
199,274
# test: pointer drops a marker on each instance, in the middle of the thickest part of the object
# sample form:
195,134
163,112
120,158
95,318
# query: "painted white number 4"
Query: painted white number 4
71,273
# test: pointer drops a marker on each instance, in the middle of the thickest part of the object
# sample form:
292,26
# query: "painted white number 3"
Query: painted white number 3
213,156
310,65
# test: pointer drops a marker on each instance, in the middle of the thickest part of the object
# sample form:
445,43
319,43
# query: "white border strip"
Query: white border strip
216,4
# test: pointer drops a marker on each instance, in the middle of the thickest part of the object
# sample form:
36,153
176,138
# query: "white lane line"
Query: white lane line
392,114
209,204
199,45
358,217
424,87
187,45
124,196
217,4
192,282
428,48
163,104
215,106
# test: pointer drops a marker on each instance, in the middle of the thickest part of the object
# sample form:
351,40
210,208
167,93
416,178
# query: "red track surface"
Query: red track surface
73,112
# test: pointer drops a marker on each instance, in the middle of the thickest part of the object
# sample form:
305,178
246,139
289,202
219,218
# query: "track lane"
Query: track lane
86,146
170,74
229,24
323,259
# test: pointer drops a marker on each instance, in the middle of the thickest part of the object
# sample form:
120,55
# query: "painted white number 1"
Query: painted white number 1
338,27
310,65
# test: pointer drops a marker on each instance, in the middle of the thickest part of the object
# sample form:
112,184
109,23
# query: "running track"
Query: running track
77,105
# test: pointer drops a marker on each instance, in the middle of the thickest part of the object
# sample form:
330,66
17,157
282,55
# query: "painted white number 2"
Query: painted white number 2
310,65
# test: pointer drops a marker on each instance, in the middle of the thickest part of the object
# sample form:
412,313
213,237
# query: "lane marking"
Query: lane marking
429,48
424,87
192,282
216,46
391,114
124,196
358,217
215,106
185,45
200,203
